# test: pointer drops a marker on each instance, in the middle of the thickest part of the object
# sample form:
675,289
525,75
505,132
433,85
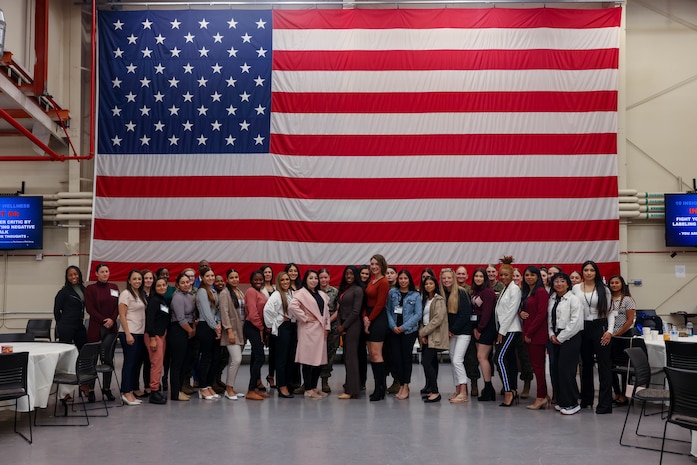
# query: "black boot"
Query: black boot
488,393
379,379
156,397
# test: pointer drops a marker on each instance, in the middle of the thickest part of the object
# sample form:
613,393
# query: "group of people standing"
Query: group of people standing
198,327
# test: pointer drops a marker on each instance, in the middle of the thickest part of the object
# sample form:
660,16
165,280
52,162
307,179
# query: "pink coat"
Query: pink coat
312,342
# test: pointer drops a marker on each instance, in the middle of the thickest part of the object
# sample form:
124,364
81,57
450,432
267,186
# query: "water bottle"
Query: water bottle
674,333
690,331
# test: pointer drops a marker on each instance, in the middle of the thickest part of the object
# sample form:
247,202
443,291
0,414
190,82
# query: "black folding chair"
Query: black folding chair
17,337
641,391
681,355
40,328
13,384
683,402
85,372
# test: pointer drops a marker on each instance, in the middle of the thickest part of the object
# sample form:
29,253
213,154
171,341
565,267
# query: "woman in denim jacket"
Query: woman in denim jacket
404,311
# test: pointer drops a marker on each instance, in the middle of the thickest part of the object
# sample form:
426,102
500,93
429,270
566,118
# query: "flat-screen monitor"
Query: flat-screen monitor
681,220
21,223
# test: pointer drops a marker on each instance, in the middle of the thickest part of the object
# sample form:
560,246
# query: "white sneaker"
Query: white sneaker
557,407
571,410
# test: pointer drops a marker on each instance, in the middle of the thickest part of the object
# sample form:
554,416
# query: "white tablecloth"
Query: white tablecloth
45,359
656,350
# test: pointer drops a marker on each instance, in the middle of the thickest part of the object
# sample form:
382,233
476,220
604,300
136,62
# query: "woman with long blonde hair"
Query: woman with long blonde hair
459,309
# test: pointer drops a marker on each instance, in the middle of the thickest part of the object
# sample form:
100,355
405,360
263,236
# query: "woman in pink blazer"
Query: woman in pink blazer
309,306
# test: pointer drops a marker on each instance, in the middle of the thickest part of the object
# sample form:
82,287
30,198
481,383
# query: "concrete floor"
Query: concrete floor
327,431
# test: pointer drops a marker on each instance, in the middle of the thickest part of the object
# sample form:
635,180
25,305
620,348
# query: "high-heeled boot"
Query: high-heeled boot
379,379
488,393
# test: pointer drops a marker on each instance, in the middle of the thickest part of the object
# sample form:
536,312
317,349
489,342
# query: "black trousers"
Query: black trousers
253,335
429,360
590,345
179,348
72,333
311,376
563,363
209,365
285,343
402,346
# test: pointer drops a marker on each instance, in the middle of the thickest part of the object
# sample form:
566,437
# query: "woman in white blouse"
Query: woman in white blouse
564,325
599,320
509,333
283,331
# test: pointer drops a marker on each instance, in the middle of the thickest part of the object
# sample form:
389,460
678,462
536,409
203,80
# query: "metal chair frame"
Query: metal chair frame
13,384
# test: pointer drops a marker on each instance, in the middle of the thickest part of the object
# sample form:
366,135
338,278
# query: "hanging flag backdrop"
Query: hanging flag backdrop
434,137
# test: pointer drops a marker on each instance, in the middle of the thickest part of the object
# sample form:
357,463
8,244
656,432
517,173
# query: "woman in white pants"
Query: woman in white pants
459,330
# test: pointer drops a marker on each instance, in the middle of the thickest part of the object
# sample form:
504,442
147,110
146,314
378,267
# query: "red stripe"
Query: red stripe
443,102
460,18
119,270
414,60
444,144
356,232
347,188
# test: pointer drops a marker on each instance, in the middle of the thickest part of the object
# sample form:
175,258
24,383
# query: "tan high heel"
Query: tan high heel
537,406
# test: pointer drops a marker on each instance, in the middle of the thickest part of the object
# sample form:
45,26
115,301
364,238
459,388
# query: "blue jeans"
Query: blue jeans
132,354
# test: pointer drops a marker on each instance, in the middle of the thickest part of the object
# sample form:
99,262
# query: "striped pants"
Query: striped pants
506,357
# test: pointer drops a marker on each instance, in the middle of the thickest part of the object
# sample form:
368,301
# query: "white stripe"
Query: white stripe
446,38
270,208
433,166
342,254
446,81
444,123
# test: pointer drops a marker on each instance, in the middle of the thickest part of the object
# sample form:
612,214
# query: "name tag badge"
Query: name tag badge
164,308
473,318
114,292
398,310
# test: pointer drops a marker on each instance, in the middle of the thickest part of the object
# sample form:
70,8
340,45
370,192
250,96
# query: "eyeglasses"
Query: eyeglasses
190,276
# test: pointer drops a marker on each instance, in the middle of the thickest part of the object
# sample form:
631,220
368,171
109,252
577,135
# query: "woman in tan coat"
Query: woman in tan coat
433,335
230,300
309,306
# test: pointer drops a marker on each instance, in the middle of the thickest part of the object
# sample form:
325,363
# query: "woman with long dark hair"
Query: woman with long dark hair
509,331
132,303
375,322
564,326
404,312
267,289
484,332
231,302
294,275
283,331
309,306
624,308
350,304
433,335
533,312
599,320
209,332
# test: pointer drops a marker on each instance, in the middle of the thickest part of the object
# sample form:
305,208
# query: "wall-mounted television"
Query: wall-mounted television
681,220
21,222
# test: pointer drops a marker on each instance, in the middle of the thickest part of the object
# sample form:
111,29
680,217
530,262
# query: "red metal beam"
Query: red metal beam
41,47
52,154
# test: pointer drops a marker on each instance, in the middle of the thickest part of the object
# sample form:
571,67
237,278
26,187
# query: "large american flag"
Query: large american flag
435,137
